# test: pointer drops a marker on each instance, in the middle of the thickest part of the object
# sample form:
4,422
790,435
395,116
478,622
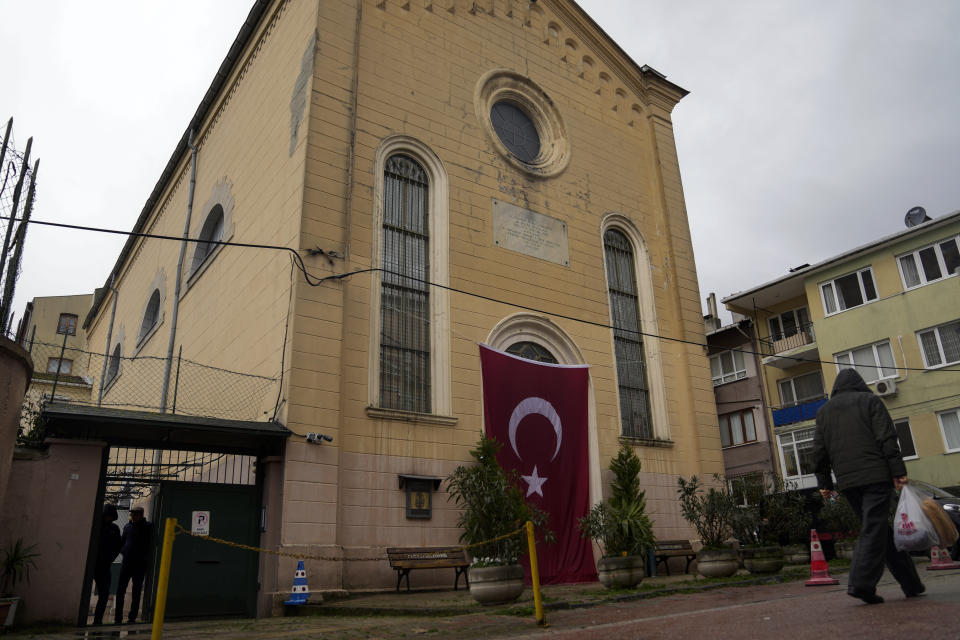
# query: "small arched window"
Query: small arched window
210,234
150,316
113,366
532,351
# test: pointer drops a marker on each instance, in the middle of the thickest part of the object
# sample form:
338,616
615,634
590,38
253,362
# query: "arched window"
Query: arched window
632,377
210,234
113,366
532,351
150,316
404,290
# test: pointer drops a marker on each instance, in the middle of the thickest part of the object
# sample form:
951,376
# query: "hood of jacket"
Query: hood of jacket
849,380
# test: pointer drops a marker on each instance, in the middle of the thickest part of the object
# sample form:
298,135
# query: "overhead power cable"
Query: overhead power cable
315,281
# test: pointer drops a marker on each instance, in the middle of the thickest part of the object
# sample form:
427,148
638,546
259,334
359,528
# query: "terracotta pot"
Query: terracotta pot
621,572
797,554
496,585
717,563
763,559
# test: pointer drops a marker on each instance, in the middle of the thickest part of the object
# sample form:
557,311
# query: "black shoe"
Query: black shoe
914,594
869,598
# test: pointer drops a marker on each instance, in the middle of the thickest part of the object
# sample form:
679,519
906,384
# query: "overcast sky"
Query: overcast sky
811,127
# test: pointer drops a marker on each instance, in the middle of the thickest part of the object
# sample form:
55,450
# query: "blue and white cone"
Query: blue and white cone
300,592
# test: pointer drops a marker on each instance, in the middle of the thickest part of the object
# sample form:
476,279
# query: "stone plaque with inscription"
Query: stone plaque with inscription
530,233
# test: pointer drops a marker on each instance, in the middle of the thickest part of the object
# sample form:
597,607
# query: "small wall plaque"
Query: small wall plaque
530,233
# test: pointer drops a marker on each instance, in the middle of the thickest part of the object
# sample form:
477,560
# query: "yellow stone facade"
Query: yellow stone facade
293,150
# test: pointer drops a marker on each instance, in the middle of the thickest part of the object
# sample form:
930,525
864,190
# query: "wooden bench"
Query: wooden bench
666,549
405,559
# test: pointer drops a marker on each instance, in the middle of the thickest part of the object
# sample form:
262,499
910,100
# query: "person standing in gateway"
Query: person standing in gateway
856,438
135,547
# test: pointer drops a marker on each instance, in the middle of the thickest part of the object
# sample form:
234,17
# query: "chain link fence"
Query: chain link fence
73,374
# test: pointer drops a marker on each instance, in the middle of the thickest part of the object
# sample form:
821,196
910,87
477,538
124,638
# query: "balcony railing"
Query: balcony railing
798,337
806,410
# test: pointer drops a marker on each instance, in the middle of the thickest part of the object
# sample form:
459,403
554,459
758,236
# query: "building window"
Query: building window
905,439
748,488
67,324
800,389
950,427
404,291
113,365
940,345
516,130
150,316
210,234
873,362
634,391
57,365
846,292
737,428
727,367
796,454
930,263
531,351
788,323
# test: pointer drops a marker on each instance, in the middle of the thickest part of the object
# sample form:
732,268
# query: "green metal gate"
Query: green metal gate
209,578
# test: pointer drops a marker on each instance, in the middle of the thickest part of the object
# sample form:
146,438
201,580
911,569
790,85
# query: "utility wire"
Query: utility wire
315,281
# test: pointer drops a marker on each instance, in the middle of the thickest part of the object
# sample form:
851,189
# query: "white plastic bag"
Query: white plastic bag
912,530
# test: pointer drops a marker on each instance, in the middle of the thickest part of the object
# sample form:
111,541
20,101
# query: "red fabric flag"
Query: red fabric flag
538,412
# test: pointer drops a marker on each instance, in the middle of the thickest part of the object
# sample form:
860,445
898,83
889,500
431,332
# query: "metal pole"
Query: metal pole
176,292
6,139
56,379
163,579
106,351
535,576
176,384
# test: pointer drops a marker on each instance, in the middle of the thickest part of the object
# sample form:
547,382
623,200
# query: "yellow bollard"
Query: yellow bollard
163,579
535,576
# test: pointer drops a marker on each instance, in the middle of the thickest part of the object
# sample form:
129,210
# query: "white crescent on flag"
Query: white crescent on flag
529,406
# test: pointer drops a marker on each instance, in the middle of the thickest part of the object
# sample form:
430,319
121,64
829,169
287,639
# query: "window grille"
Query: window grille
628,343
405,295
531,351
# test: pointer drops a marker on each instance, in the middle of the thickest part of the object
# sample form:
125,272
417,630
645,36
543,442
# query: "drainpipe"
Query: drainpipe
106,351
176,293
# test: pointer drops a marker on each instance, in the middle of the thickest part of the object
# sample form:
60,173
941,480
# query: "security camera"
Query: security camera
318,438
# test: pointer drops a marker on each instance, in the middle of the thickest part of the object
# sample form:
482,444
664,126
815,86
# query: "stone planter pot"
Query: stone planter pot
797,554
621,572
762,560
496,585
845,548
717,563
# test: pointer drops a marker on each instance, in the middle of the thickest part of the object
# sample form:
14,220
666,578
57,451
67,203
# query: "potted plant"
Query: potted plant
17,560
620,526
493,506
712,514
843,523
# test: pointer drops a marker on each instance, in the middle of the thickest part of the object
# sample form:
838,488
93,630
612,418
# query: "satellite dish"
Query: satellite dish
915,216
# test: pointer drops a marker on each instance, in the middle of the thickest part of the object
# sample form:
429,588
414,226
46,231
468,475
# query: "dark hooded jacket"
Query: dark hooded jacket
855,436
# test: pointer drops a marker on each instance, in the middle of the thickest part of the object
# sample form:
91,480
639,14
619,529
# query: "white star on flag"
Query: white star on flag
534,483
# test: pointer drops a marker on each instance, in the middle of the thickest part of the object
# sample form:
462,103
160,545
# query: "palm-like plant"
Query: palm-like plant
493,506
17,561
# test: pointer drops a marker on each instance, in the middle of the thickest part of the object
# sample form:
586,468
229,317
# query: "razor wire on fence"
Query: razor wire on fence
73,374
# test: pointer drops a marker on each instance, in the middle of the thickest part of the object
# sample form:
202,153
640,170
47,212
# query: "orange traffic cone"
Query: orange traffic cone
940,559
819,572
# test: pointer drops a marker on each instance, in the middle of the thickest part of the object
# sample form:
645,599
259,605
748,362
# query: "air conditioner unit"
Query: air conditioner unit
886,387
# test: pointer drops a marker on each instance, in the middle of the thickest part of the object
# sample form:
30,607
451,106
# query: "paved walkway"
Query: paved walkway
675,607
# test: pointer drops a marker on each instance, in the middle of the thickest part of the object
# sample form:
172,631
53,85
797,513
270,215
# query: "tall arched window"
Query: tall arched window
210,233
405,380
632,377
113,366
150,315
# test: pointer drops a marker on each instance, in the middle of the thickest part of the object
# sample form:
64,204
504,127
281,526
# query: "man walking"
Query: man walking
135,547
855,436
107,551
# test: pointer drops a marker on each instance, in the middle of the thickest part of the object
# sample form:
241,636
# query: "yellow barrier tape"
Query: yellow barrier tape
303,556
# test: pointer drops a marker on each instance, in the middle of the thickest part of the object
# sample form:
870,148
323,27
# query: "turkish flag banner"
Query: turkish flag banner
538,413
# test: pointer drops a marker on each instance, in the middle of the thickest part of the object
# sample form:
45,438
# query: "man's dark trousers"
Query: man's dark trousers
128,573
875,546
102,579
